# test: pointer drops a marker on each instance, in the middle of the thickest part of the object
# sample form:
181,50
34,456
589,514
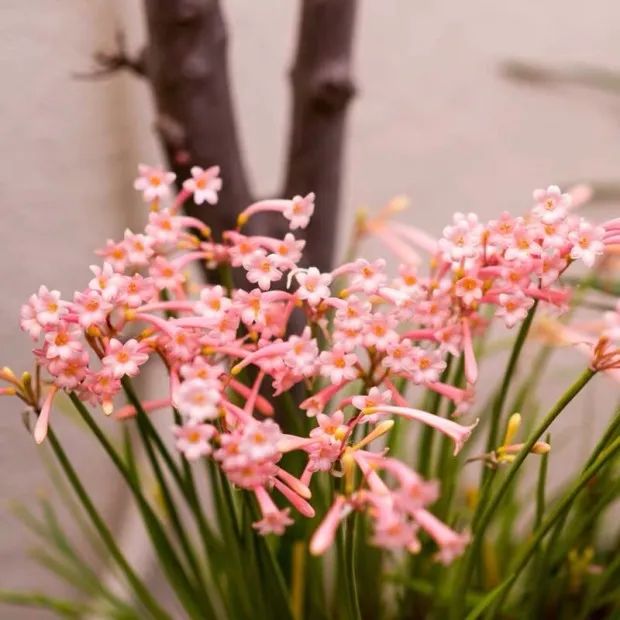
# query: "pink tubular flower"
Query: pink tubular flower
427,365
587,242
154,183
41,426
139,248
115,254
48,307
457,432
313,285
124,358
338,365
551,204
374,398
299,211
513,307
204,184
62,341
91,308
198,399
469,289
193,440
451,544
324,536
261,269
274,520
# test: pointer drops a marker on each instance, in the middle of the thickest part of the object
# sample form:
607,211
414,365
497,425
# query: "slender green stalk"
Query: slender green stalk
166,553
487,506
184,481
498,406
61,607
540,487
139,588
501,592
175,520
351,569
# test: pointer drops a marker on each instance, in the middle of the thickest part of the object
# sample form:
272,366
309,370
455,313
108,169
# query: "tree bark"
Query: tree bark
186,62
322,86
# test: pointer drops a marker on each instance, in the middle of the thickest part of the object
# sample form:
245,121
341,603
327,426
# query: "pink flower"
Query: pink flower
163,227
324,536
379,331
42,423
313,285
70,372
427,365
106,281
91,308
62,341
154,183
259,440
287,252
399,356
457,432
374,398
204,184
303,353
198,399
124,359
193,440
451,543
274,520
513,307
367,276
587,242
214,303
165,274
261,269
469,289
461,240
28,319
115,254
139,248
551,204
394,531
338,365
299,211
48,307
136,290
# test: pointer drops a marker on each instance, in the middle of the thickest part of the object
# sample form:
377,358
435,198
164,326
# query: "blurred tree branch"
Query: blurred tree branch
322,85
186,63
187,66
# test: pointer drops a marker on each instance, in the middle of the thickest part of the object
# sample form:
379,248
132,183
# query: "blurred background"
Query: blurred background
437,117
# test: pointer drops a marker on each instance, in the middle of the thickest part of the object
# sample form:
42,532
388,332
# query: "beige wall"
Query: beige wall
434,119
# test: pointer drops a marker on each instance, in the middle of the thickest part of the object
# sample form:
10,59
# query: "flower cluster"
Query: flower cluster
365,333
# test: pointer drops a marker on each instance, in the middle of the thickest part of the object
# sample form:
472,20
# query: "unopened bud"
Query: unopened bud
514,423
380,429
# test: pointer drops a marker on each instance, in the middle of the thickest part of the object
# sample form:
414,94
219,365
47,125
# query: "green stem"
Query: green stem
351,559
170,562
139,588
173,515
486,507
498,406
61,607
